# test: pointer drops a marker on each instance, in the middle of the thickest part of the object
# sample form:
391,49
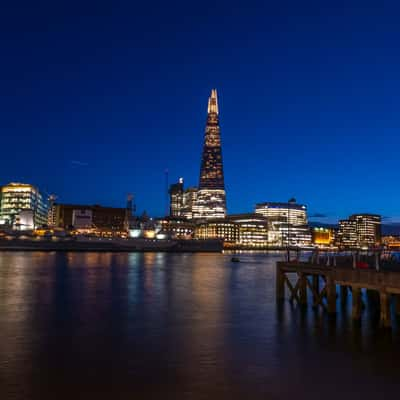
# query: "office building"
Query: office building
287,223
211,199
347,234
176,199
23,207
368,228
219,229
181,200
360,231
291,212
253,230
174,227
189,201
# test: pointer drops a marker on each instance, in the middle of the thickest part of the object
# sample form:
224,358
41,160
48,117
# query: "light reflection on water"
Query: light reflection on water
190,326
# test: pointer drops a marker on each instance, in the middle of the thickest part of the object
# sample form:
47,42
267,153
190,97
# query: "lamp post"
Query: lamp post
290,202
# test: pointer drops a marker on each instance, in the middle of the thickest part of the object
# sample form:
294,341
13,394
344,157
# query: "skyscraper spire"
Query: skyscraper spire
211,195
213,102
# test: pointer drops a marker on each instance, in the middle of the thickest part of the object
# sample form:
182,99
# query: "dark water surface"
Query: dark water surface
178,326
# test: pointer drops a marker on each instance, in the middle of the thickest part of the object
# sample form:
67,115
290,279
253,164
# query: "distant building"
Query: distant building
323,237
359,231
391,242
287,223
22,206
78,216
368,228
291,212
211,198
181,200
219,229
253,229
347,234
176,199
189,201
51,216
180,228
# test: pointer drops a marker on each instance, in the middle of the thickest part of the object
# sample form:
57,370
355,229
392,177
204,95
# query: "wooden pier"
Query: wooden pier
322,282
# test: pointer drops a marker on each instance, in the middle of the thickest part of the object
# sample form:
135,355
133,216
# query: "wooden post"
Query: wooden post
280,283
331,293
397,304
356,311
377,261
315,286
303,288
385,310
343,293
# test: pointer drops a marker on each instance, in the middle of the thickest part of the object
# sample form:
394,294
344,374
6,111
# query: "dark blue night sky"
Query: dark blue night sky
99,98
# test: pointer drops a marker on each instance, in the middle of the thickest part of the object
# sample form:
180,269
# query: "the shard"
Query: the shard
211,198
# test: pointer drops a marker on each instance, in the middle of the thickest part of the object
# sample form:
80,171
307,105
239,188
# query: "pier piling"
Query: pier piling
321,281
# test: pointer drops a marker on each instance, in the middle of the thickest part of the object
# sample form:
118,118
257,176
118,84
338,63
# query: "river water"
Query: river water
178,326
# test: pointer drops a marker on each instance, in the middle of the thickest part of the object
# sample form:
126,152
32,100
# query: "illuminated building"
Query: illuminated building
368,228
291,212
211,198
179,228
360,231
176,199
181,201
287,223
22,206
323,236
219,229
189,201
51,214
347,234
253,229
391,242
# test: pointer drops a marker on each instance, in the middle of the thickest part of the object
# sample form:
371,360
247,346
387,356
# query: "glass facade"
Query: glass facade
182,202
287,223
292,213
360,231
253,229
347,234
16,200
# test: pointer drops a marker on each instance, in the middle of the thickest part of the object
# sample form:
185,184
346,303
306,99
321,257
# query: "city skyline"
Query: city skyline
97,120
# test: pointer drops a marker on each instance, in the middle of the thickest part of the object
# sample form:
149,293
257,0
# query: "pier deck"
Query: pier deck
322,282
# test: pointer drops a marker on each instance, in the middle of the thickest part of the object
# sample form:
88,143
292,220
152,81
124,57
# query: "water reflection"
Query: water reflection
192,326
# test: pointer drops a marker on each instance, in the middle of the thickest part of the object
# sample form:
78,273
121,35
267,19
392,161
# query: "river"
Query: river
178,326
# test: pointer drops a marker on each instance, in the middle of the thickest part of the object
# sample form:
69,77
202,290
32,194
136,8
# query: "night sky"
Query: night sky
98,99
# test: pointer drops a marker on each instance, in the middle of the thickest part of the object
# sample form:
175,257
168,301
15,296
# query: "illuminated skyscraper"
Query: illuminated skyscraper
211,198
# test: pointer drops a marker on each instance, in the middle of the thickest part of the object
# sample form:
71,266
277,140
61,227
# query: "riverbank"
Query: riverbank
110,245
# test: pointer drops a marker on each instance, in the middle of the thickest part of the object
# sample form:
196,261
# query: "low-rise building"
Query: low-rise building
323,237
253,229
180,228
105,221
219,229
